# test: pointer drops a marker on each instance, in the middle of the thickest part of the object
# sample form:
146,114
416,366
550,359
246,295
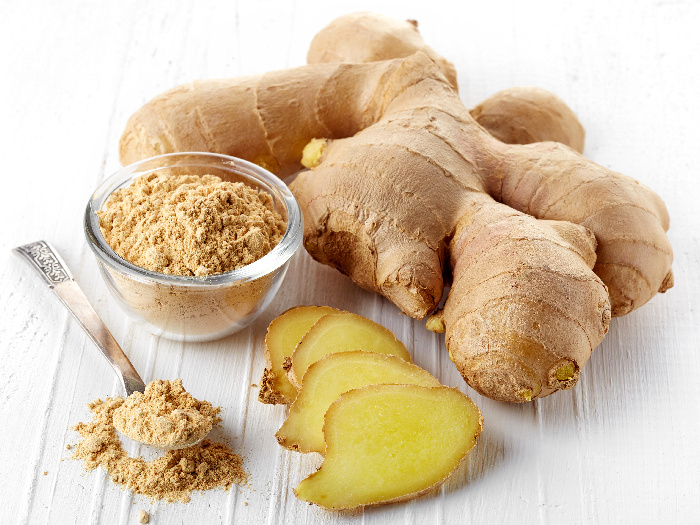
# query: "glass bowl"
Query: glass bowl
188,308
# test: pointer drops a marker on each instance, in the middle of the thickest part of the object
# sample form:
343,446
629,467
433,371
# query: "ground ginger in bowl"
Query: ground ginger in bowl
192,225
194,244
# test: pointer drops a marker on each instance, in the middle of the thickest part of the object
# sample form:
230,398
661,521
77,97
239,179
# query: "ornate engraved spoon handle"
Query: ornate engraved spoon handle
48,264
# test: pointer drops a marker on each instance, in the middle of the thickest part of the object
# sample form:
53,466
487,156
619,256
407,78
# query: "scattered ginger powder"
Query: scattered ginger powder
165,415
190,224
172,477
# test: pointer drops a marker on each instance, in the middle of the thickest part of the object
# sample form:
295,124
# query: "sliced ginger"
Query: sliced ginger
341,332
283,334
333,375
390,431
388,443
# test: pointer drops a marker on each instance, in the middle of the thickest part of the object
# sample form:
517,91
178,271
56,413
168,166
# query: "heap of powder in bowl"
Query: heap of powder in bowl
190,224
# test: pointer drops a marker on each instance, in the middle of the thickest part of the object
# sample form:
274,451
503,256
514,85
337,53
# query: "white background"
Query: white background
622,447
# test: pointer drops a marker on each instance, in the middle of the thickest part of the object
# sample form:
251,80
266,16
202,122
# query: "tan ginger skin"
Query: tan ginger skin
411,182
519,115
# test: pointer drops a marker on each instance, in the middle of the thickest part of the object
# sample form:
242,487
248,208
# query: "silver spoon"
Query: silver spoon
44,259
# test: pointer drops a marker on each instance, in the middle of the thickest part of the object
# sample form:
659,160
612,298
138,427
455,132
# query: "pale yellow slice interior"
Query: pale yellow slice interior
331,376
342,332
387,443
283,334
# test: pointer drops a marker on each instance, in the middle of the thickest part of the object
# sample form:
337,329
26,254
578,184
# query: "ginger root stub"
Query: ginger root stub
409,182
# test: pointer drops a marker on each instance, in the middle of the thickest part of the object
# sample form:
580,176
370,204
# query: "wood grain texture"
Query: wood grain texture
619,448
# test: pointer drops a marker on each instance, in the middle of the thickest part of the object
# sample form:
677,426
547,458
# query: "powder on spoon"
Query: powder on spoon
165,416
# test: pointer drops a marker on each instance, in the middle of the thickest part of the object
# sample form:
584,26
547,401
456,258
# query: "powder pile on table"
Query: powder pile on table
173,476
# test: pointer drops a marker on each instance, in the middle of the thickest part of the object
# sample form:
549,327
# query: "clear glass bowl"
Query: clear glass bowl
196,308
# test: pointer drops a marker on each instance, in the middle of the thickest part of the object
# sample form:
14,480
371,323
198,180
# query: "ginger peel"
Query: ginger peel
370,37
523,115
519,115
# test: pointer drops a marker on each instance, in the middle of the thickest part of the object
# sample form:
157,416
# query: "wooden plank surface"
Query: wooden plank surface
619,448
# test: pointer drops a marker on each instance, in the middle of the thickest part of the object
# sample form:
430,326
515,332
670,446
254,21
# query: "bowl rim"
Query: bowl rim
267,264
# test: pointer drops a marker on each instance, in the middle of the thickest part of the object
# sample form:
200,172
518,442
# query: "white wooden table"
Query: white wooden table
622,447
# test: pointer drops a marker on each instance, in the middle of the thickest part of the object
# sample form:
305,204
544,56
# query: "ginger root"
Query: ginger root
333,375
370,37
389,443
520,115
408,182
523,115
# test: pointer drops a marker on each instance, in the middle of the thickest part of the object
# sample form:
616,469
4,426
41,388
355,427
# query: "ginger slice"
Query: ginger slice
283,334
341,332
388,443
333,375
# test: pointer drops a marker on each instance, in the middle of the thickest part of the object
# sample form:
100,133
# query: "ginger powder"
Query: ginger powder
190,224
165,415
172,476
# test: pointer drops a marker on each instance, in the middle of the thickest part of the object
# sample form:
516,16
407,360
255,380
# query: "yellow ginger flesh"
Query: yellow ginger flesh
283,334
327,379
343,332
388,443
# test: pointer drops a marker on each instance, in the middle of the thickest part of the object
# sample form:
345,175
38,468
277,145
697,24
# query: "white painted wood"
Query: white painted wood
620,448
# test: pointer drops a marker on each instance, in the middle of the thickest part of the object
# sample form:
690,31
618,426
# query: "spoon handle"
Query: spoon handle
42,257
